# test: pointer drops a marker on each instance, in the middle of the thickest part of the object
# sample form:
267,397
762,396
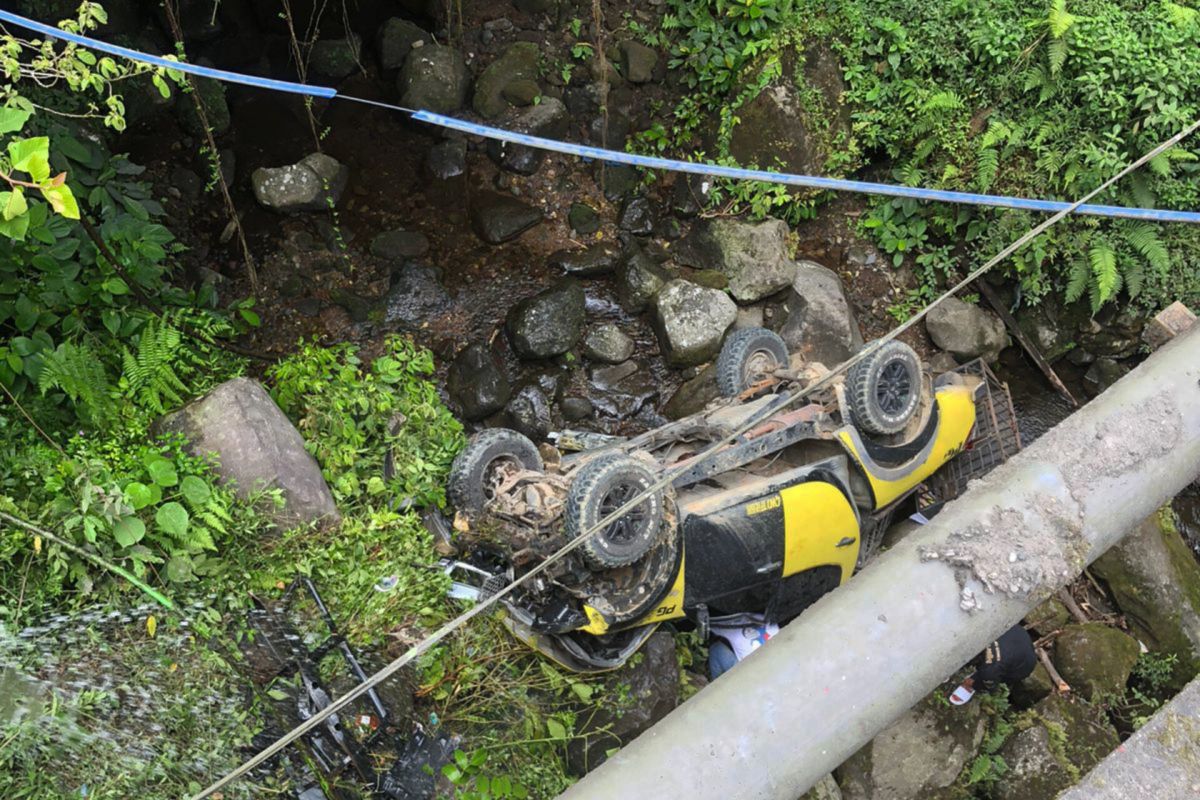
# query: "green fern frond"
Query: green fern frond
1134,274
942,101
1178,14
1160,165
1078,277
79,373
1056,55
1103,260
1059,19
986,167
1143,237
152,373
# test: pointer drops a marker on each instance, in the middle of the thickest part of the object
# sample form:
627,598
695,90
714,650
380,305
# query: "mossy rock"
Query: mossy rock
1037,686
1048,617
1155,580
1058,741
1095,659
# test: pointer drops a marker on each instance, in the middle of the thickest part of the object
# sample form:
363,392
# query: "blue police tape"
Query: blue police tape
159,61
810,181
615,156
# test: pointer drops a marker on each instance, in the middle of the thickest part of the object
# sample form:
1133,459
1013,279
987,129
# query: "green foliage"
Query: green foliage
352,414
466,774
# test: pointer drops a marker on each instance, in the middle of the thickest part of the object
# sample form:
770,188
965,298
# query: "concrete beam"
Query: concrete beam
863,655
1161,760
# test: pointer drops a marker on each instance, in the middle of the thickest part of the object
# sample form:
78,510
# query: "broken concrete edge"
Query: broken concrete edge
1161,759
1167,324
864,654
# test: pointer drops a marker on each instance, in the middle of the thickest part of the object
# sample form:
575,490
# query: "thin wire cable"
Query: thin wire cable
669,477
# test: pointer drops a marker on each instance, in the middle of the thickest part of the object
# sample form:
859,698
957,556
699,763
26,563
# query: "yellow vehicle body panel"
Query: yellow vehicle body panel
817,517
956,416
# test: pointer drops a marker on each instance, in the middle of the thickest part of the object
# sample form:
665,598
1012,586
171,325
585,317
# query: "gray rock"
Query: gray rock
782,128
693,395
434,78
576,408
690,194
1042,763
477,383
623,390
637,61
637,216
639,279
497,218
617,180
416,294
966,331
749,317
819,325
336,58
1095,659
918,755
396,39
691,322
598,259
753,256
1103,373
824,789
399,245
529,413
518,63
447,159
583,219
255,448
310,185
607,344
653,691
549,323
547,119
1154,577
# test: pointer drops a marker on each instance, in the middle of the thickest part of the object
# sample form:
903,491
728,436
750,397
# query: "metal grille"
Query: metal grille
994,440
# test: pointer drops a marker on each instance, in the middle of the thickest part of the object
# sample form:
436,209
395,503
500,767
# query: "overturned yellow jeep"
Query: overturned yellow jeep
771,521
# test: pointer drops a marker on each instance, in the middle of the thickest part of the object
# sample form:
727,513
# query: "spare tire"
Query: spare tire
602,486
884,389
748,356
476,470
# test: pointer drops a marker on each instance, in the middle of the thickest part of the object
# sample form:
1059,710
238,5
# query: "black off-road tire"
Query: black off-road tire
471,473
601,487
747,356
884,389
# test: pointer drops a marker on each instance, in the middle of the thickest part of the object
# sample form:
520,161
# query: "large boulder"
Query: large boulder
254,447
753,256
497,218
622,390
637,61
1155,580
693,394
691,322
653,690
917,756
798,120
529,412
397,38
549,323
597,259
966,331
1095,659
476,381
547,119
820,324
434,78
312,184
518,63
1064,741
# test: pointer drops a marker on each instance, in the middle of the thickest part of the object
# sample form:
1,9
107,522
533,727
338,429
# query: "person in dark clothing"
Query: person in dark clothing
1010,659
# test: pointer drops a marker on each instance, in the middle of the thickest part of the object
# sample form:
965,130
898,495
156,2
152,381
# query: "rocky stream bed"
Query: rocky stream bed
557,293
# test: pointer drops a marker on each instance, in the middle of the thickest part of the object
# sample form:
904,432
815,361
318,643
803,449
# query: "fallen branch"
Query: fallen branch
1061,686
1072,606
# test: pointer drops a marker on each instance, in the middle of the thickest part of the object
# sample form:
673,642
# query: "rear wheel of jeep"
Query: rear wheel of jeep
488,459
601,487
749,356
884,389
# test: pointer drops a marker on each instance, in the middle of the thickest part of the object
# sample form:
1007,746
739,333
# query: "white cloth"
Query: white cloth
745,638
